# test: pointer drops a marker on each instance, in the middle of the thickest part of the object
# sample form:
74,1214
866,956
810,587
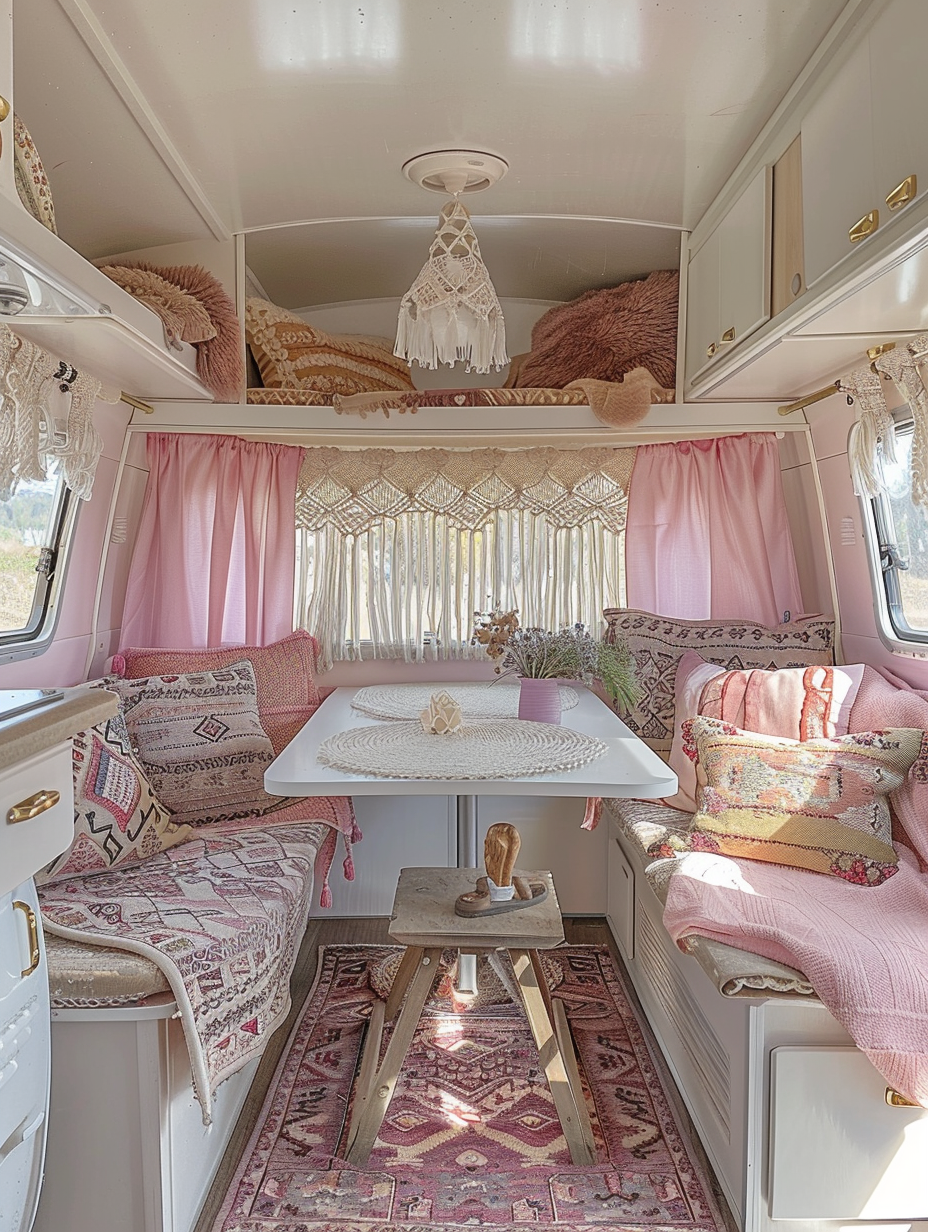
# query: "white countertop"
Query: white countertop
629,768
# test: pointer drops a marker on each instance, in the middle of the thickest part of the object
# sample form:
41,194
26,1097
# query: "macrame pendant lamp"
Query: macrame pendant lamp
451,312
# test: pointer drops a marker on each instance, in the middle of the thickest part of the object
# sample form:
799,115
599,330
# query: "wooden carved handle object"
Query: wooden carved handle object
500,848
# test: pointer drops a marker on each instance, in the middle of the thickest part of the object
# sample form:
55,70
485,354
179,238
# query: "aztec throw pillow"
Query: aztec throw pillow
200,739
292,354
285,675
118,820
657,643
819,804
801,703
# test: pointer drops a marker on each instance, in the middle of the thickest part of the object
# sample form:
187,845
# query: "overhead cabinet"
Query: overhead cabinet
728,278
864,145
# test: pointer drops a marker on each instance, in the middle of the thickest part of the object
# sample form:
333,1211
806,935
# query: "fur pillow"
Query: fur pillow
292,354
604,334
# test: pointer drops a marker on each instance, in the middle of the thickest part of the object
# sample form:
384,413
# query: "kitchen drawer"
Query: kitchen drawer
29,844
838,1150
621,898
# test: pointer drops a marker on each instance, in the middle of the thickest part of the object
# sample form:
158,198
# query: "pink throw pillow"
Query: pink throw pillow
797,703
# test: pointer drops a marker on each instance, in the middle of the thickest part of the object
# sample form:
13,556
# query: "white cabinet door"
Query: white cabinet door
702,305
744,261
838,181
899,86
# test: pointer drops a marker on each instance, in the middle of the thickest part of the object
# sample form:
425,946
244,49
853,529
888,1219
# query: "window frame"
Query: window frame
879,533
34,638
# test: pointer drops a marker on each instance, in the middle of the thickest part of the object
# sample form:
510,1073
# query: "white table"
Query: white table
629,768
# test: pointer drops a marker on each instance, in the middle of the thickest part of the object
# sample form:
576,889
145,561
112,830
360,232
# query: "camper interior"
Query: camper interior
497,431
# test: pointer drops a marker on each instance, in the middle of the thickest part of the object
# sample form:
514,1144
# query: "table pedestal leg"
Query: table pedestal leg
563,1078
466,983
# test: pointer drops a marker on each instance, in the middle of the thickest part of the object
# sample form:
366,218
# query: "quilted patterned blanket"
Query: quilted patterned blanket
223,916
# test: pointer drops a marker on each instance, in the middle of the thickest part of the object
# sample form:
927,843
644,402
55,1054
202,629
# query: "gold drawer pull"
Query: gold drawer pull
4,109
712,348
35,956
864,226
903,193
729,335
895,1100
33,806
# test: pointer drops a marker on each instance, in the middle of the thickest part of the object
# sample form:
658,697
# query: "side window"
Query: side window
35,531
898,543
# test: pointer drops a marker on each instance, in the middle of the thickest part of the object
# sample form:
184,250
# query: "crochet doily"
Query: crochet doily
405,701
489,749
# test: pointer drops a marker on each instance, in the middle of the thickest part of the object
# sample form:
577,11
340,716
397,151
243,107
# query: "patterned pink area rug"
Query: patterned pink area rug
471,1137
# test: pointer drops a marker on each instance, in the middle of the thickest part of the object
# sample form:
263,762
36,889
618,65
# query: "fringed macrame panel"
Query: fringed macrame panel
902,367
399,549
46,413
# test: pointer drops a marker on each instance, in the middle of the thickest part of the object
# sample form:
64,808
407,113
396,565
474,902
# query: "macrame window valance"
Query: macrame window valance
399,549
46,413
872,437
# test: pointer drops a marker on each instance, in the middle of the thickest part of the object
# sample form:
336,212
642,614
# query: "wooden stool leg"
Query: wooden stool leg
371,1106
575,1120
408,964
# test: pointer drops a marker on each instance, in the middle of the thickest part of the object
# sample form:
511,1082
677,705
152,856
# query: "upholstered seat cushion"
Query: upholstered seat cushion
82,976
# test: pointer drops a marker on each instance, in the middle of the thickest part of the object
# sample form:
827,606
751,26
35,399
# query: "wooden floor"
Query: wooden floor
578,930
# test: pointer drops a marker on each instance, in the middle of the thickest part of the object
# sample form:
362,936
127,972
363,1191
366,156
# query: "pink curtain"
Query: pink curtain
214,561
707,533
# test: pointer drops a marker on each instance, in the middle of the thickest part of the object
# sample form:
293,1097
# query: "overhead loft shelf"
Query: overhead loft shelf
825,333
79,315
464,427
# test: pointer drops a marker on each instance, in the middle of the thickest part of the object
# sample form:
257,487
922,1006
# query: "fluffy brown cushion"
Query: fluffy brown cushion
184,316
291,354
604,334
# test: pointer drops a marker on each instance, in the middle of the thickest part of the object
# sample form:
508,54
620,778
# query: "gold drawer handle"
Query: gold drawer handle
864,226
33,806
712,348
895,1100
729,335
32,924
903,193
4,109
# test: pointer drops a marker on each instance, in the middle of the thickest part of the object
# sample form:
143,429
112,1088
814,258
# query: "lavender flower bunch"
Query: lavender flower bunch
572,653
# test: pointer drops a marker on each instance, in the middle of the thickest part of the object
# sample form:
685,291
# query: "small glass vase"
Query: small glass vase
539,699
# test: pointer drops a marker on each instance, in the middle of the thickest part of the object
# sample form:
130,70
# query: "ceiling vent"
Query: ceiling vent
456,171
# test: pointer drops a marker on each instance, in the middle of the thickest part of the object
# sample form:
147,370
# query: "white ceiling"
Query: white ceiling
185,119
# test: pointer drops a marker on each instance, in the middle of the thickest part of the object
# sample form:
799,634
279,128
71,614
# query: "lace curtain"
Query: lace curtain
46,412
398,549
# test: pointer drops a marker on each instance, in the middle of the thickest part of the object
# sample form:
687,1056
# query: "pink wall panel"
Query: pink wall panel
119,556
62,664
911,668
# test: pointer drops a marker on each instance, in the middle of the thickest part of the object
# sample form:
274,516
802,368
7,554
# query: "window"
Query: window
897,536
35,529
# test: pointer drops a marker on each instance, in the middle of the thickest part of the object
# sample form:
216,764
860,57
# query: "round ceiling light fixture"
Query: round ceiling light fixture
456,171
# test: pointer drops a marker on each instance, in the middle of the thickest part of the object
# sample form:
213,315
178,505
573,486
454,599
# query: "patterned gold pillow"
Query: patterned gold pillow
816,804
292,354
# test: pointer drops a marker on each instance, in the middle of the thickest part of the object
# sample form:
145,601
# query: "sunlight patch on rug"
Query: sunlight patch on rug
471,1136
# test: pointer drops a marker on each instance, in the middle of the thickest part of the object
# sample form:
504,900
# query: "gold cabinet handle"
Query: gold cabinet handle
903,193
4,109
712,348
729,335
33,806
35,956
895,1100
864,226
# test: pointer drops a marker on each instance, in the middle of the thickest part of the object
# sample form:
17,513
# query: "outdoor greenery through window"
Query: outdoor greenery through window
902,530
31,526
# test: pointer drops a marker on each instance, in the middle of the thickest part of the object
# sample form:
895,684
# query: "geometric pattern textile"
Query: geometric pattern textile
354,490
657,643
223,916
118,821
471,1136
201,741
814,804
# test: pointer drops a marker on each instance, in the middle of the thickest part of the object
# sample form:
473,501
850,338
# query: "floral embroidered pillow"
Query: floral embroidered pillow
200,739
819,804
118,820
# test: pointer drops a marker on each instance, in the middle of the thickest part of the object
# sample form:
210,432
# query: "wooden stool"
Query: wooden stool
424,921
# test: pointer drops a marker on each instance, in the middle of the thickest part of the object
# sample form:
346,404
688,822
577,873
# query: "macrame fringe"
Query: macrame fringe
902,367
431,337
872,437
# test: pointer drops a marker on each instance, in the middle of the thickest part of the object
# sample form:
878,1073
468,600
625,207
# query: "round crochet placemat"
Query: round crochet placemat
489,749
405,701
